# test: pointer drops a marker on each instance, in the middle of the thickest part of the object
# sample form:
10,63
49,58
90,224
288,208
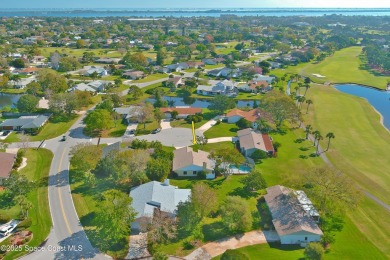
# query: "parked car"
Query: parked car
7,228
132,132
155,131
5,133
63,139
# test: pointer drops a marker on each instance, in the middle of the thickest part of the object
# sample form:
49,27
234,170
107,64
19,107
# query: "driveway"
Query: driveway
218,247
219,139
130,126
200,131
165,124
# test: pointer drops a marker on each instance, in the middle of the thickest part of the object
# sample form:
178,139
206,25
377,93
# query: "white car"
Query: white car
7,228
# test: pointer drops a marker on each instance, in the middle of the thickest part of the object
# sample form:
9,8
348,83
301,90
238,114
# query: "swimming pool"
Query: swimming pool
243,169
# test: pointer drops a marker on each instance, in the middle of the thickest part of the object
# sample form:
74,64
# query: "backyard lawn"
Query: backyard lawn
221,130
37,170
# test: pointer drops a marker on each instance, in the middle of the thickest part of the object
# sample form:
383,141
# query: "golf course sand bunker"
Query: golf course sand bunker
318,76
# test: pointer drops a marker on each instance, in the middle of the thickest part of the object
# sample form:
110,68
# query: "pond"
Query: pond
379,99
8,100
199,103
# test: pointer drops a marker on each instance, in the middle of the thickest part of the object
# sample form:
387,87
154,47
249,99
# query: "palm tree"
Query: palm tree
316,133
300,101
308,102
329,135
308,131
307,86
319,137
297,90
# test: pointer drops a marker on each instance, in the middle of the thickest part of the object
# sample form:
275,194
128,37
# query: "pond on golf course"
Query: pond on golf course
379,99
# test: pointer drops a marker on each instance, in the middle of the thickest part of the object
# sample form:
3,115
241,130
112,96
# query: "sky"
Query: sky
194,4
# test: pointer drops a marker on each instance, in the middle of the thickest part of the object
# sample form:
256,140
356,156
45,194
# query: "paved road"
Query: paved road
67,239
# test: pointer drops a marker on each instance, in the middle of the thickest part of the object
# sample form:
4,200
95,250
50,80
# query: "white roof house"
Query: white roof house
156,195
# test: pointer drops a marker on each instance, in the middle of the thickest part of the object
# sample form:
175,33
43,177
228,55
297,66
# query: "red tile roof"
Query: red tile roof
267,142
251,115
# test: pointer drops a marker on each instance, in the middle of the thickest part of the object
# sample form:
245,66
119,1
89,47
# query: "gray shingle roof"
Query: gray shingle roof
288,215
148,196
25,122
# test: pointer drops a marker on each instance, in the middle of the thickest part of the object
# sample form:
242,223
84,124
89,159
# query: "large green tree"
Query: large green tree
254,181
27,103
114,215
98,121
84,156
50,79
205,199
221,103
236,214
158,169
280,106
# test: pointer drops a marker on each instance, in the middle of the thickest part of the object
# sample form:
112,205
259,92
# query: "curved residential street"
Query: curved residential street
67,239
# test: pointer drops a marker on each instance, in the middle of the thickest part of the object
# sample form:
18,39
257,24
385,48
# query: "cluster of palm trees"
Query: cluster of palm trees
318,137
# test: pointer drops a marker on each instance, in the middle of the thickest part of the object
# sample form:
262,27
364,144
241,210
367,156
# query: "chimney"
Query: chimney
166,182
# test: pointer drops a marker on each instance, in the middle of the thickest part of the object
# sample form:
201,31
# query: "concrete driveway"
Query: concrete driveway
165,124
219,247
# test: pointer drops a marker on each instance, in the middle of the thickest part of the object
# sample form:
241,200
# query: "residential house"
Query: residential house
275,65
108,60
183,112
195,64
89,70
259,77
22,83
6,163
187,163
129,114
177,81
254,115
250,141
152,196
225,73
31,124
254,86
225,87
28,71
178,67
133,74
215,61
93,86
293,223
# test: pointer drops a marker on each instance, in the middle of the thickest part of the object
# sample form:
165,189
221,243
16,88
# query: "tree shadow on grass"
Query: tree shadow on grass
117,133
88,220
299,140
240,191
302,156
304,149
6,200
216,184
215,231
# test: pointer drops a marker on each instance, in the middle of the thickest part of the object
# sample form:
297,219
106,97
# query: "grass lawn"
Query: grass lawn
37,170
359,150
152,77
215,66
50,130
183,123
86,204
271,251
13,91
117,130
214,146
345,66
149,127
109,53
221,130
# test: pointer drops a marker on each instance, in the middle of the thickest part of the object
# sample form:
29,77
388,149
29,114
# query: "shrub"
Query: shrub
314,251
234,255
258,155
25,224
243,123
160,256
